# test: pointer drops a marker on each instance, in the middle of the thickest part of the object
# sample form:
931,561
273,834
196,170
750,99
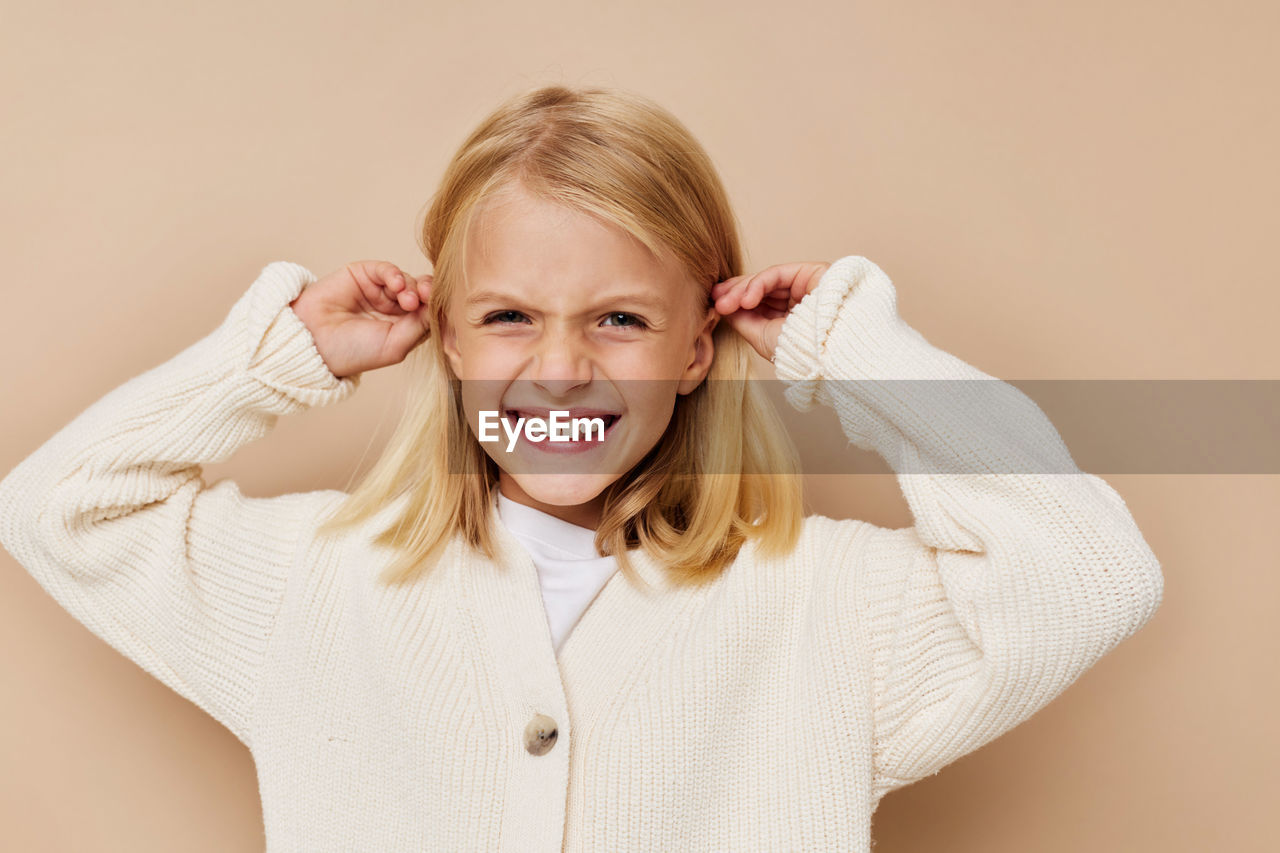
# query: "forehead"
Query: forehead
517,238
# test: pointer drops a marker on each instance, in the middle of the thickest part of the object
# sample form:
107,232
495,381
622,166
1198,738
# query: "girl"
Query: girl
627,642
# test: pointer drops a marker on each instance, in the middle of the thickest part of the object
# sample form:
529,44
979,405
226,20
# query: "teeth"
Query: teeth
513,415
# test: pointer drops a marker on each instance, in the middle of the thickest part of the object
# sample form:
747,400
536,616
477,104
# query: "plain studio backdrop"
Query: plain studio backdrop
1058,191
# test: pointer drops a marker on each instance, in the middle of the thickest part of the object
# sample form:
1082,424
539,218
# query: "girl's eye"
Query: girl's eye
505,317
637,324
495,316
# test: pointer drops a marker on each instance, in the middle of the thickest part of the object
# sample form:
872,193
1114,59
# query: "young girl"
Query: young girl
627,642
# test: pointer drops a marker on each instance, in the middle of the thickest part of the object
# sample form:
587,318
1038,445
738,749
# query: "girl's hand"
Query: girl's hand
367,315
756,305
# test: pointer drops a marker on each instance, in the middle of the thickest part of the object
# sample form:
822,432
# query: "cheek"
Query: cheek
657,361
653,401
480,393
479,356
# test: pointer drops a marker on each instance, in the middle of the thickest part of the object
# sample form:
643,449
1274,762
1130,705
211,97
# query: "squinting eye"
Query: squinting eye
493,317
639,324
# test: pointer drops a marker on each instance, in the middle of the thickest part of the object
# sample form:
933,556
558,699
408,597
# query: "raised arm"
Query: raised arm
112,516
1020,572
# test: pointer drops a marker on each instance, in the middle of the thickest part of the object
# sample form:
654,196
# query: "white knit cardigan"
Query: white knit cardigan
770,710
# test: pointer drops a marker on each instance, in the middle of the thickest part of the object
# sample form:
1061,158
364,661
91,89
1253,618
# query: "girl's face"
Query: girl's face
565,313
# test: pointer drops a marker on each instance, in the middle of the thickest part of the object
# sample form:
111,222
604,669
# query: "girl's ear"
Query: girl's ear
449,342
702,352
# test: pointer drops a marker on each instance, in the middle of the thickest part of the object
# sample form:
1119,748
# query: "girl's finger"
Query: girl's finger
814,277
750,326
730,300
793,276
399,287
749,291
760,286
406,332
365,276
732,282
773,286
721,289
408,299
391,276
799,289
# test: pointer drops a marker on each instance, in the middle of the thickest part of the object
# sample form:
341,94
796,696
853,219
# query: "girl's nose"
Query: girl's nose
561,365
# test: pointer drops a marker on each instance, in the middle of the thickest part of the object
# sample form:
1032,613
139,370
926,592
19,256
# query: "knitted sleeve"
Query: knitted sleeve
1020,572
114,520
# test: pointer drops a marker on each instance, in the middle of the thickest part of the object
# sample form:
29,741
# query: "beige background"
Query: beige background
1079,190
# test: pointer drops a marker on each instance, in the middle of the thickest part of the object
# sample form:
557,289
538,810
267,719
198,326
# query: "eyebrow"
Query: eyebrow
639,299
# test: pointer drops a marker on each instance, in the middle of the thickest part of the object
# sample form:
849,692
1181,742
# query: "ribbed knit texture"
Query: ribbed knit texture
770,710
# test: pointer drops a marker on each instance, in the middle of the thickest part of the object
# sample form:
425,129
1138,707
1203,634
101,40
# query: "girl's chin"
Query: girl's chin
563,489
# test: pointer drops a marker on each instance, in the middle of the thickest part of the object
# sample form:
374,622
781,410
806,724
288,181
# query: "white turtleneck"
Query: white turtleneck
570,570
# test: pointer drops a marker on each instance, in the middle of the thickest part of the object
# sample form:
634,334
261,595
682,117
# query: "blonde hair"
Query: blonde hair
700,493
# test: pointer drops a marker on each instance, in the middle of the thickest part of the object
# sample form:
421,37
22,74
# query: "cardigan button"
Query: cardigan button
540,735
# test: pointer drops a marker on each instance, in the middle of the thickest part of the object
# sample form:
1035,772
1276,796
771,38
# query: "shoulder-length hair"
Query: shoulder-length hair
725,470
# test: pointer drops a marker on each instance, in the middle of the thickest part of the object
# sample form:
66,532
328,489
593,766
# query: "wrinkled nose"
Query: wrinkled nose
561,364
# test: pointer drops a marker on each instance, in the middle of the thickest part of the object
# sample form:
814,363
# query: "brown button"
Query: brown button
540,735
